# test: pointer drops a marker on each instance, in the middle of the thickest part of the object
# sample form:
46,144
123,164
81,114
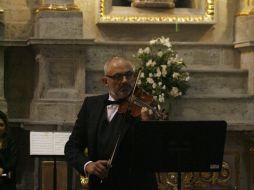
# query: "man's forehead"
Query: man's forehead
120,65
120,62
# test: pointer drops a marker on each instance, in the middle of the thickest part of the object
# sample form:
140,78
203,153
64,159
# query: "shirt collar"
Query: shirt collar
111,98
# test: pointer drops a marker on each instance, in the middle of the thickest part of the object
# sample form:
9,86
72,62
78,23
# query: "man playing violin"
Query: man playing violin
107,134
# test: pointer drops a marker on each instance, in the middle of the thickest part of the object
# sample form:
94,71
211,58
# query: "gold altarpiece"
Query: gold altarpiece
202,12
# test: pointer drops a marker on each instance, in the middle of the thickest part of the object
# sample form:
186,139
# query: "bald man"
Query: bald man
99,127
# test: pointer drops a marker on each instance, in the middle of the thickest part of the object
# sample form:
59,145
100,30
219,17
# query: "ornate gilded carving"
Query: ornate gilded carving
84,181
205,17
1,11
248,8
58,7
198,179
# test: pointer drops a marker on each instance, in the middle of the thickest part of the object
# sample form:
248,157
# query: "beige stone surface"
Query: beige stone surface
63,25
22,15
9,4
247,62
18,18
244,28
89,9
221,31
17,31
46,79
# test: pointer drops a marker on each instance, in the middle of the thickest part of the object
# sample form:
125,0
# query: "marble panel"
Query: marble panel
55,110
244,28
96,56
215,82
237,109
207,57
61,73
94,85
17,30
13,16
63,25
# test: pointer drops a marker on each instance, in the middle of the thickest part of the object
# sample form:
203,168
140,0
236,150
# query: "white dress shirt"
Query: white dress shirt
111,109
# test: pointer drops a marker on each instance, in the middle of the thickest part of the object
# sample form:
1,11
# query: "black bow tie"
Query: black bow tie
109,102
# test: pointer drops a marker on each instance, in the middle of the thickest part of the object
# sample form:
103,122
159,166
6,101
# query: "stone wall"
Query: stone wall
20,23
52,53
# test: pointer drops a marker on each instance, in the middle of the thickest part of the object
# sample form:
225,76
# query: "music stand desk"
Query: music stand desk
179,146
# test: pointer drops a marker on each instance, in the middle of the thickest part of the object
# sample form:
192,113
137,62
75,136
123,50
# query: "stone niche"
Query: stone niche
153,3
60,83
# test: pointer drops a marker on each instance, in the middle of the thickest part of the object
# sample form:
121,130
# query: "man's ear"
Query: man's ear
105,81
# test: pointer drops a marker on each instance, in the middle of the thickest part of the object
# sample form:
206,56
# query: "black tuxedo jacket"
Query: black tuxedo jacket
84,135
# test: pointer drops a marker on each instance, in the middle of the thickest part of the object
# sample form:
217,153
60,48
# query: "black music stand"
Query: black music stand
179,146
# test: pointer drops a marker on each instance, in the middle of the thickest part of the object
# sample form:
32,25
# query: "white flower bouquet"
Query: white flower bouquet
162,70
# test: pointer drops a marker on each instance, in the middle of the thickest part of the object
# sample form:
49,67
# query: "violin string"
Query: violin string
135,85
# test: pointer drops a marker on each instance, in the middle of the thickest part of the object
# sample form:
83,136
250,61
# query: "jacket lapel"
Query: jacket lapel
97,106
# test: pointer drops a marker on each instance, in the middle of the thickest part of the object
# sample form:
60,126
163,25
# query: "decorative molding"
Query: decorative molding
57,7
247,11
1,10
247,44
84,181
202,179
205,14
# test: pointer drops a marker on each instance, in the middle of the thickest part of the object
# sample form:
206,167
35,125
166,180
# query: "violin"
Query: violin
136,101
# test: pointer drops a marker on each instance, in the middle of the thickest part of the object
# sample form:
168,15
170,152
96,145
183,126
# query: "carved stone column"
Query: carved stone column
59,82
59,19
244,39
245,43
60,87
3,105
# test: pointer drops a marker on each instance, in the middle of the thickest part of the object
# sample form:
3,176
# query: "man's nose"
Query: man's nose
124,79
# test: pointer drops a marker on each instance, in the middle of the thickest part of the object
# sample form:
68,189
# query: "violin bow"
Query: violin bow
135,85
109,164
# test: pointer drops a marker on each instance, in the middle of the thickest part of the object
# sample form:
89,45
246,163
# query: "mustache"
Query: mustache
126,87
